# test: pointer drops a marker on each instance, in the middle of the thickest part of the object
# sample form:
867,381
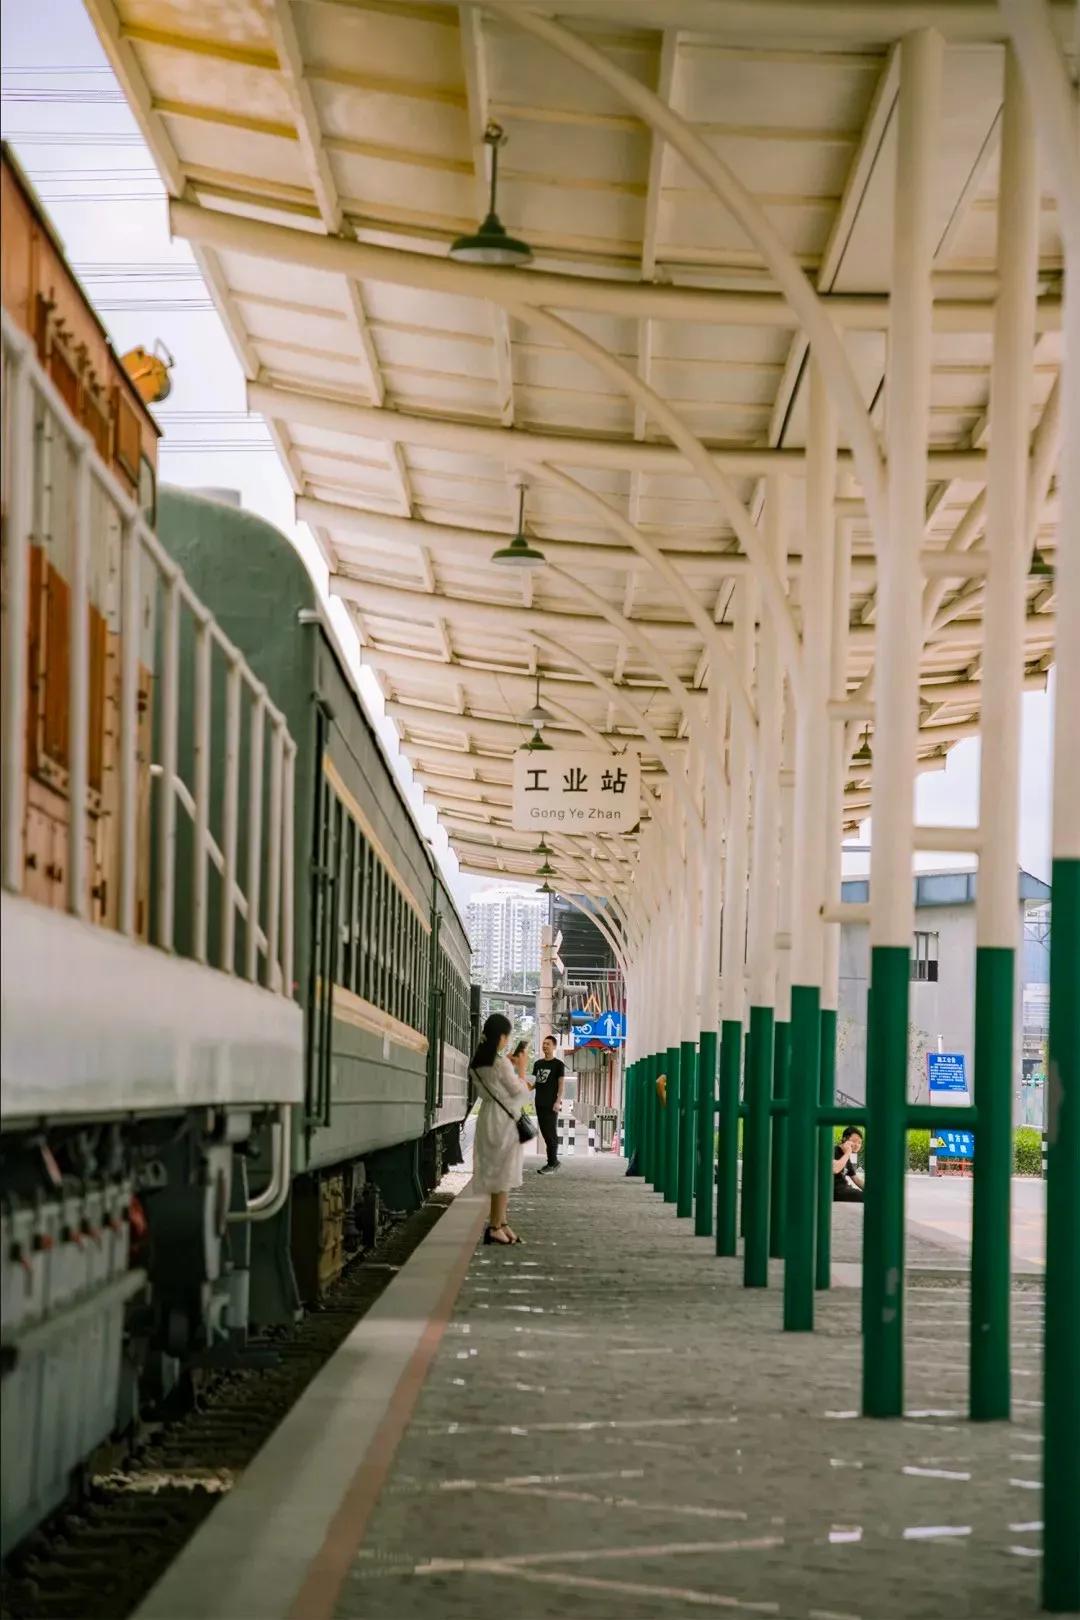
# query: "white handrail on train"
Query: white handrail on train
266,1204
27,387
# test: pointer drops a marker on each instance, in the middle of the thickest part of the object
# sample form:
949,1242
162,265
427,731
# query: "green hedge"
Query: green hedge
1027,1151
918,1150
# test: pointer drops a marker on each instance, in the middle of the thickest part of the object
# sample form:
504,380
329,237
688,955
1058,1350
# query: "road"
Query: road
940,1206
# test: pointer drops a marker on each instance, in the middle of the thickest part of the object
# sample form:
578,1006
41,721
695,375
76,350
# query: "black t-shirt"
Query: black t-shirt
547,1074
847,1173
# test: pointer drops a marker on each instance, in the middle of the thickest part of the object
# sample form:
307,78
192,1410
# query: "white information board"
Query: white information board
569,791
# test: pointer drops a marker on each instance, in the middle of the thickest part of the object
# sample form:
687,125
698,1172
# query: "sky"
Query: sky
67,121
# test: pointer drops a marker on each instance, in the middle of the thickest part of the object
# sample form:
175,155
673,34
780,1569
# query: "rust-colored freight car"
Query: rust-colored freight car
43,297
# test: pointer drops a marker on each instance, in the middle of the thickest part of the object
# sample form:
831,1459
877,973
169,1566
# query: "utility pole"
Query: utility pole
546,994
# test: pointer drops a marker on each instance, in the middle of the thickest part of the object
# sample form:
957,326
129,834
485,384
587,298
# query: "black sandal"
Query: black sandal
489,1237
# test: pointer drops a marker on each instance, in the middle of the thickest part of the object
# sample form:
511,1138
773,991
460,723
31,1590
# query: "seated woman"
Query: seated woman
847,1177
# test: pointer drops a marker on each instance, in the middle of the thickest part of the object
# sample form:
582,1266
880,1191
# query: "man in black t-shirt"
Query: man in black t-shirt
547,1083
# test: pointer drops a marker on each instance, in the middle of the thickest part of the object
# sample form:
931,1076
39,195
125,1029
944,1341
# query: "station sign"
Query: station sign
567,791
945,1071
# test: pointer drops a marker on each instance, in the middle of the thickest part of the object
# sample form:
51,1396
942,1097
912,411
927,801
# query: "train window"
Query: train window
400,959
354,907
147,490
368,916
376,931
397,943
392,950
341,861
384,930
353,898
391,947
345,931
95,419
128,443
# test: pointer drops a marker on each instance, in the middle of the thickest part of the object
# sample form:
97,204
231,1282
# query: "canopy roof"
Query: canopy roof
409,395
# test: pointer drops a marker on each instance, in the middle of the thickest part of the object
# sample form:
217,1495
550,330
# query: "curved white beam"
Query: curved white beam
829,351
618,949
476,545
636,300
628,629
515,684
395,599
702,462
399,599
726,670
426,717
514,447
1054,99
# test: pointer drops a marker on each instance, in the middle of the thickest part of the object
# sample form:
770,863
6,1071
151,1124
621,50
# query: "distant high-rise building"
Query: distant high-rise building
504,926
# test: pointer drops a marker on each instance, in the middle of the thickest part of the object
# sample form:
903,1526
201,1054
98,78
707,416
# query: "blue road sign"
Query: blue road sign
955,1145
609,1027
945,1071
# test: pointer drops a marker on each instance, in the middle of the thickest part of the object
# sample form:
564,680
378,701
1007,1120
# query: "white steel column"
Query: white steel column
833,867
1056,105
690,954
899,645
810,834
782,1027
996,916
715,801
764,877
733,948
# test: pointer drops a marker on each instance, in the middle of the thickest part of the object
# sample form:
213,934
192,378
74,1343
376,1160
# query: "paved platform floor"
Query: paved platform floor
613,1426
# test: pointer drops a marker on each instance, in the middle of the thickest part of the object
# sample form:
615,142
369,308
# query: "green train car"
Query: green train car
381,959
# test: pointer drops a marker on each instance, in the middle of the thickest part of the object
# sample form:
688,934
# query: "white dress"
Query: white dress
496,1150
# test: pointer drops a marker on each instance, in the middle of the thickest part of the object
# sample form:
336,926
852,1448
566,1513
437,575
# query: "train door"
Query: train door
436,1024
325,903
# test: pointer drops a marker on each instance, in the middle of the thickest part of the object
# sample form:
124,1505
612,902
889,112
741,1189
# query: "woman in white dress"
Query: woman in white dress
496,1147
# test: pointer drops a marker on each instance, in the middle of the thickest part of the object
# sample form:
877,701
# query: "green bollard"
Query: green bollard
827,1096
1061,1352
778,1185
671,1173
883,1225
648,1126
706,1134
802,1141
742,1136
757,1136
687,1121
656,1135
632,1116
727,1168
991,1241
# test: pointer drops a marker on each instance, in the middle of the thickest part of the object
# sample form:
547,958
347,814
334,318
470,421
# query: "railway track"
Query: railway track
97,1558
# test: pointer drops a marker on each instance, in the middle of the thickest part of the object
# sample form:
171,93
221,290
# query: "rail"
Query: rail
168,753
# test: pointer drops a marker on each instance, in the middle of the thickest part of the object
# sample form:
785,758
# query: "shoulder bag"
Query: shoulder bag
526,1128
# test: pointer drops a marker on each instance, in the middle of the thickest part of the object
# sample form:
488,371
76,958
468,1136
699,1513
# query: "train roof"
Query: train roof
40,213
314,612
